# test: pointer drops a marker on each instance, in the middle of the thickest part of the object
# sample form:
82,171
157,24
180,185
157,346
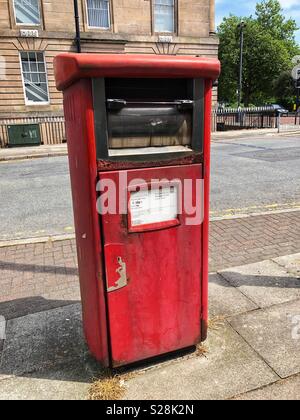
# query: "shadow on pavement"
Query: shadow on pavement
4,265
236,279
21,307
46,344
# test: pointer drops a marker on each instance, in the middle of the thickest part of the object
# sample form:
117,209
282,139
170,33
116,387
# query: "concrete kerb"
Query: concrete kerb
220,135
33,156
13,154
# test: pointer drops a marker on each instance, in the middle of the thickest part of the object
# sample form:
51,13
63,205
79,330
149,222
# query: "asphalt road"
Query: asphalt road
255,175
35,198
248,176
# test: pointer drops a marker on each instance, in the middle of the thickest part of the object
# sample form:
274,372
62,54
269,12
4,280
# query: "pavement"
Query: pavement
254,341
40,276
241,241
20,153
252,351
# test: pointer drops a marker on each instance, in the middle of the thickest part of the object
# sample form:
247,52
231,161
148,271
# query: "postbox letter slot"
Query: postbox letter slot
147,119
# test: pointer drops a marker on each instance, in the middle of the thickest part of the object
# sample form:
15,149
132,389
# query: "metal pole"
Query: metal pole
212,17
297,103
297,85
77,25
241,27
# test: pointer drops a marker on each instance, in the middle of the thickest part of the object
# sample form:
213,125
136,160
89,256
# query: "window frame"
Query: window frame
28,25
27,101
175,20
99,28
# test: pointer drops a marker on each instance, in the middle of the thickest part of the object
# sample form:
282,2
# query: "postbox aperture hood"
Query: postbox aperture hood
71,67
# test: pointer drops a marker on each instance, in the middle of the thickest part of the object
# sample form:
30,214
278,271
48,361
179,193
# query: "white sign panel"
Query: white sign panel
154,206
29,33
165,39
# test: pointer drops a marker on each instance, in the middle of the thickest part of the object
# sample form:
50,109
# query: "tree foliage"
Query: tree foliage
284,90
269,47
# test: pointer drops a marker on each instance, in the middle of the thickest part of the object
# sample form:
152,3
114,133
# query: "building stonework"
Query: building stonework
130,27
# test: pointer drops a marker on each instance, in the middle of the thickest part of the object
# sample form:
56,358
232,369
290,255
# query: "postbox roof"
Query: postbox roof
71,67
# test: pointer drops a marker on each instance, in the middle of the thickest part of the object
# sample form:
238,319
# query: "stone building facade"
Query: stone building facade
33,32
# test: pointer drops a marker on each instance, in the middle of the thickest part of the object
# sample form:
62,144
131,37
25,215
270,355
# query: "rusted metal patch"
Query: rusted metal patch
111,165
204,330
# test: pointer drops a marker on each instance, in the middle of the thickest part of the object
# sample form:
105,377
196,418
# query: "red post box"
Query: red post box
138,129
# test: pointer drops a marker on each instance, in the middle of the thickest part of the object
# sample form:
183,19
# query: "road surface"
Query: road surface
255,175
248,176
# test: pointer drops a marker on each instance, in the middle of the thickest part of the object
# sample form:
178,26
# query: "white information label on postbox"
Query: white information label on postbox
154,206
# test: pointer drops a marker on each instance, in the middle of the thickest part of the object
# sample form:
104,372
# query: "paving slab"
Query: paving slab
291,263
226,300
265,283
70,383
229,368
43,340
274,333
288,389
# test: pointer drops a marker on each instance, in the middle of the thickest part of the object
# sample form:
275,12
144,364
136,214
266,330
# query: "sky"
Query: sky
246,8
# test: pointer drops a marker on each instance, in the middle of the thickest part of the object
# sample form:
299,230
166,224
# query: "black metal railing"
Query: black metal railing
244,118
